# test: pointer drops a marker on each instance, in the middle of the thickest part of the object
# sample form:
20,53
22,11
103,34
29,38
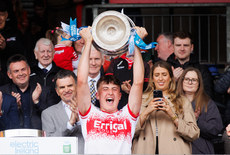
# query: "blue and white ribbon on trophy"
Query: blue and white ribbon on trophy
134,39
72,30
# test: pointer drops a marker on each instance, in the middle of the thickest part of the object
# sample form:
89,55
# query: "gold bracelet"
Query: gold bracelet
174,118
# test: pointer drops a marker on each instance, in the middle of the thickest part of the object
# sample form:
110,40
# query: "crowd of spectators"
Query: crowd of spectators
64,87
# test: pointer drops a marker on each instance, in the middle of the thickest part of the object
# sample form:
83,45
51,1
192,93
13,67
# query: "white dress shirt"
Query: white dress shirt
48,67
69,112
96,79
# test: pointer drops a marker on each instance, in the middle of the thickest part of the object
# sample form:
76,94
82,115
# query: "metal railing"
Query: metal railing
209,30
204,28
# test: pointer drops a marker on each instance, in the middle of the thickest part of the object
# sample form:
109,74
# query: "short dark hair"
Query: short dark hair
15,58
168,35
63,74
108,79
182,35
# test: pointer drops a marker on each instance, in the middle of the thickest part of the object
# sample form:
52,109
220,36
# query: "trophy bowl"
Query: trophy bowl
110,32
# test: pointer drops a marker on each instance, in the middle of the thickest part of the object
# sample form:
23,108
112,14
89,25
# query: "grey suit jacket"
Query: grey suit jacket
54,123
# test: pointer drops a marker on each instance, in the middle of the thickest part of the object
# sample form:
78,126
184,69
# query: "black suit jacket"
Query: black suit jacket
46,80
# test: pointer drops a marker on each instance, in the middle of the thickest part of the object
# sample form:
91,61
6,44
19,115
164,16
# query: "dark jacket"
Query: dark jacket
210,124
14,45
221,86
223,83
3,78
193,62
10,117
46,80
45,100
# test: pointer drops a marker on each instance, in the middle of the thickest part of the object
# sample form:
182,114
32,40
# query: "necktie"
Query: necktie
92,91
44,70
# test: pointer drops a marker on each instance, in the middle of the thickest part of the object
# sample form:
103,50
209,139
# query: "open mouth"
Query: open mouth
161,83
110,100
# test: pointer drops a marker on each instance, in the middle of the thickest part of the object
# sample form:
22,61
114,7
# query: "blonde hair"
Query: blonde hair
176,100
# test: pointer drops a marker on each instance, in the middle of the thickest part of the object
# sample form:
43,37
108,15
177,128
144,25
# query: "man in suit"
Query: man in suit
8,112
30,96
45,69
95,72
58,120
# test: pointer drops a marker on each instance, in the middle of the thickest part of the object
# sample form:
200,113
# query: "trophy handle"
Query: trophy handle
130,20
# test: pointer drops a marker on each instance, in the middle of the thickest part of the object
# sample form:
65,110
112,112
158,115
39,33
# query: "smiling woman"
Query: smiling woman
190,84
170,120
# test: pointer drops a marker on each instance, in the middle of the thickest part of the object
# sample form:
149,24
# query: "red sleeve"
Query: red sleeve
106,65
87,112
74,54
131,113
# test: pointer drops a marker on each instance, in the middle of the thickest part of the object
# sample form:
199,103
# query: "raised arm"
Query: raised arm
135,96
83,91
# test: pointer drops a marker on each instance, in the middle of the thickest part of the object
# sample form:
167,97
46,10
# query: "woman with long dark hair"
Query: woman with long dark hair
208,118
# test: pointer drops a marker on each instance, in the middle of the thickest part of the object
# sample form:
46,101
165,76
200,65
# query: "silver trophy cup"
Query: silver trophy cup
111,31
